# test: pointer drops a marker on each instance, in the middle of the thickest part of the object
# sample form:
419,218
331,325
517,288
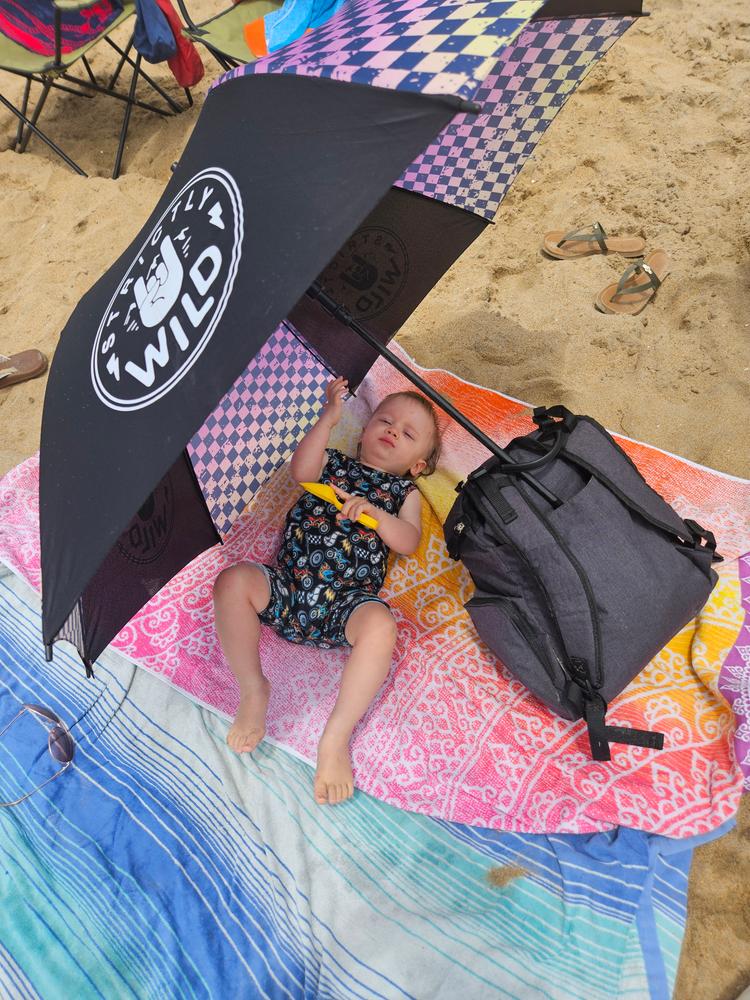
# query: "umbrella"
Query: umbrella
286,186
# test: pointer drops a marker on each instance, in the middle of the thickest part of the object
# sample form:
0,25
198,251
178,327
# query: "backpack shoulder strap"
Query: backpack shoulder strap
593,449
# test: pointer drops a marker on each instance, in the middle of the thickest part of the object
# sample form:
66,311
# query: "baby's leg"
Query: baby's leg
240,594
371,631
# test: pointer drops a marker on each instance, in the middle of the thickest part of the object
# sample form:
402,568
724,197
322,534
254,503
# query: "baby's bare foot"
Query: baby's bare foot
249,726
334,781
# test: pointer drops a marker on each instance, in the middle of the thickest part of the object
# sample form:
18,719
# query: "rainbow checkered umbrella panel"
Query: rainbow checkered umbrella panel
473,163
520,71
428,46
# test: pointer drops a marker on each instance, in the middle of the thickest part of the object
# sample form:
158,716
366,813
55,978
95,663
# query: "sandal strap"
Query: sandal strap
4,372
639,267
591,234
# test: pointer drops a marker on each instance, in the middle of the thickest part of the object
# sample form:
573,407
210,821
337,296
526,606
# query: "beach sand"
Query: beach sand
652,143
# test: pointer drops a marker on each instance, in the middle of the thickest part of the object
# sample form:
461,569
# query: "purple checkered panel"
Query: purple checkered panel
432,46
256,426
473,162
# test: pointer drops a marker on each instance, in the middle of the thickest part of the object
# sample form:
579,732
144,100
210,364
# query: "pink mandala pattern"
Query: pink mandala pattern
452,734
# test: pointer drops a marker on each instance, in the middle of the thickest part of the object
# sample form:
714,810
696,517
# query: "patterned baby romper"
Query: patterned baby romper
326,568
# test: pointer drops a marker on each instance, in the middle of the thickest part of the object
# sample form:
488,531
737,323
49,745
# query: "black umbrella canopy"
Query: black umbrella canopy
286,178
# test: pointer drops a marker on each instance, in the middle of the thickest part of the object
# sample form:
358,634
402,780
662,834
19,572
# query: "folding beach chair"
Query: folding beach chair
40,40
223,34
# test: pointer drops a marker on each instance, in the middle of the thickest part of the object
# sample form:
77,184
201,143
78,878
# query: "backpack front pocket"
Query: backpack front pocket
528,654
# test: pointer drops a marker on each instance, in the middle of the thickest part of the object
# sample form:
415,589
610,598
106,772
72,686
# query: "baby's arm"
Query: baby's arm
310,454
402,534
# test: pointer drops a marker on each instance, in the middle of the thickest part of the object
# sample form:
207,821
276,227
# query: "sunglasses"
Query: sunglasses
59,741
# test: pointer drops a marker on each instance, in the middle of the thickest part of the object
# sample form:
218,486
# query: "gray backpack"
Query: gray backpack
575,599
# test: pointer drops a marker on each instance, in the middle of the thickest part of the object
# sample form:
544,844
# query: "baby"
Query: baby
323,590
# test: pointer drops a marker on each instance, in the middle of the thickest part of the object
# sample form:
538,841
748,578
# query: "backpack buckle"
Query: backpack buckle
544,418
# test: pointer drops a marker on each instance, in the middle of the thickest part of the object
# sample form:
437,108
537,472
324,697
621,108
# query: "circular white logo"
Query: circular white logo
167,306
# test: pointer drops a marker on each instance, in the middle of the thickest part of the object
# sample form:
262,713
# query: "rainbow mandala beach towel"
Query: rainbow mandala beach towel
452,734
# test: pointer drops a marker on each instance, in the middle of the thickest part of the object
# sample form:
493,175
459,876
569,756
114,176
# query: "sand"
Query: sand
652,143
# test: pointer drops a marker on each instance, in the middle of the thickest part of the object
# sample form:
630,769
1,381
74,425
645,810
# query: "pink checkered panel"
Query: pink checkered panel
473,162
256,426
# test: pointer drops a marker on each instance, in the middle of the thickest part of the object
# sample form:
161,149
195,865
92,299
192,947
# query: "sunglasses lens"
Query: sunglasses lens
61,745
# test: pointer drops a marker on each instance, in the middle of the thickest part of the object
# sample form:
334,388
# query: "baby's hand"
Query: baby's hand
353,506
335,392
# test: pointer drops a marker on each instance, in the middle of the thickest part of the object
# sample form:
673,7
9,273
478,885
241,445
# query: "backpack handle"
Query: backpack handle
543,417
511,468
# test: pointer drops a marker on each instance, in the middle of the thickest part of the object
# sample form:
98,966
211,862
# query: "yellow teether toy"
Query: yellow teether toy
325,492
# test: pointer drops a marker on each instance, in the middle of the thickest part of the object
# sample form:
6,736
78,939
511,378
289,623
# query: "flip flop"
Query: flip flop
584,242
19,367
636,287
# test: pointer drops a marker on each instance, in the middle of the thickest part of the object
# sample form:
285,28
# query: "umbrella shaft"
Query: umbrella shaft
338,312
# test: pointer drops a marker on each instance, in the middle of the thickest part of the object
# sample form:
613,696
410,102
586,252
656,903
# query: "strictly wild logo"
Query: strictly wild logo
368,273
147,535
167,306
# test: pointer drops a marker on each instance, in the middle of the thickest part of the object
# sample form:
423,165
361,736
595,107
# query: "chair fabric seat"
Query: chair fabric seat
15,58
224,31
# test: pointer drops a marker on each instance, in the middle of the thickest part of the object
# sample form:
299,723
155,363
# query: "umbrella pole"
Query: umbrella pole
315,291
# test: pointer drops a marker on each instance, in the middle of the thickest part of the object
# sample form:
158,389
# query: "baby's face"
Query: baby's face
398,437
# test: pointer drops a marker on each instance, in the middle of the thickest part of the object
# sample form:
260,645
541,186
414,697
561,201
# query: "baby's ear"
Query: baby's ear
418,467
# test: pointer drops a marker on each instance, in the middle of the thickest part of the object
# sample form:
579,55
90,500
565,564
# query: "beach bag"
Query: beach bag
186,64
576,599
152,36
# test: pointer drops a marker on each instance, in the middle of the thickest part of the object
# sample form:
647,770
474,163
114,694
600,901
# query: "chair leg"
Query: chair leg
126,120
35,117
152,83
88,69
56,85
189,97
162,93
24,108
224,61
98,89
56,149
113,79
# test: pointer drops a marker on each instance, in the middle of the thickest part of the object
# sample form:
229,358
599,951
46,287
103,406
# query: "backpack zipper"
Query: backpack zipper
584,582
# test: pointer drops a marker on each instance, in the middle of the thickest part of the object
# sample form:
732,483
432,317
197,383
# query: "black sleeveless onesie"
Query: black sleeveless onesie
326,568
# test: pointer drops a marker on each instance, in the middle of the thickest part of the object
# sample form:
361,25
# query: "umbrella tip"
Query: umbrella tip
471,108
